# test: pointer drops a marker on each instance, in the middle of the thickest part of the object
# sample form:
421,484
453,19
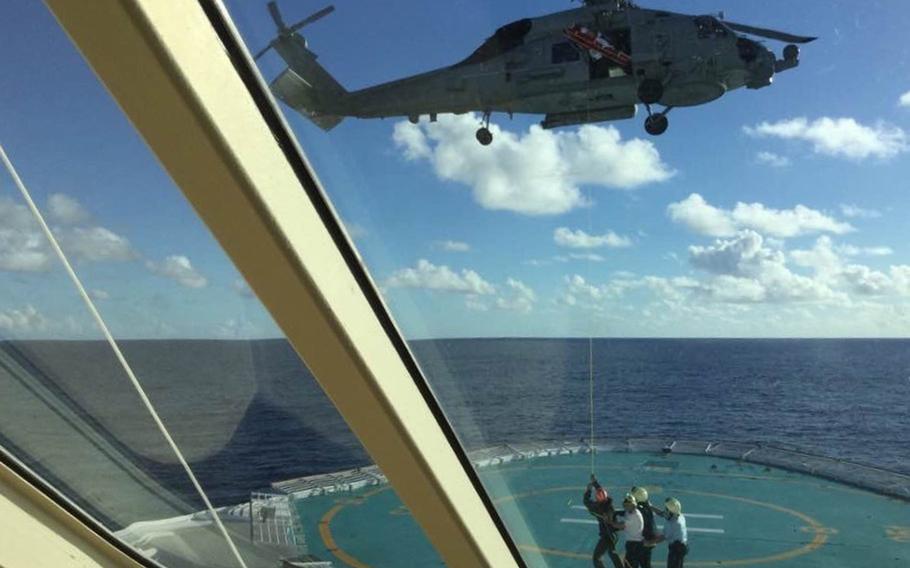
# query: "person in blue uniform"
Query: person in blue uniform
675,534
600,505
649,530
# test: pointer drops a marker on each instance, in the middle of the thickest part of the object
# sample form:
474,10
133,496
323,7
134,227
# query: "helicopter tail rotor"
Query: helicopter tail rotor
285,31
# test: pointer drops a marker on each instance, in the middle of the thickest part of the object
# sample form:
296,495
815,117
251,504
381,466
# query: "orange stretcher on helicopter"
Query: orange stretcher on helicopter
597,45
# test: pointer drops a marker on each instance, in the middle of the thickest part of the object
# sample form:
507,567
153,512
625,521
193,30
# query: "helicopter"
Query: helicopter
594,63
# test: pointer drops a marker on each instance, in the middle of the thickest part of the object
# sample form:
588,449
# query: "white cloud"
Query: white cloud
772,159
587,256
452,246
822,258
785,223
864,280
428,276
26,320
66,210
180,269
579,239
476,303
825,260
854,211
95,244
23,247
236,329
850,250
904,101
838,137
242,288
99,294
745,266
355,230
734,257
699,216
578,289
519,298
537,173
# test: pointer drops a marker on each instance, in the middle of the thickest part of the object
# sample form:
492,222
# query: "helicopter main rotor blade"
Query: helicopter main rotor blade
276,15
312,18
263,51
770,34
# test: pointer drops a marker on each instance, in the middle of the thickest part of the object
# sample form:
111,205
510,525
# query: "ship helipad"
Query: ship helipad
746,505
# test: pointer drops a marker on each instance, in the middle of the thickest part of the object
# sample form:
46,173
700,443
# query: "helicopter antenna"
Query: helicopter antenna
285,31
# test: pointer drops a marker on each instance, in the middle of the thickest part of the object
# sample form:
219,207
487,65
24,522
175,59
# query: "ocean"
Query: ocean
249,413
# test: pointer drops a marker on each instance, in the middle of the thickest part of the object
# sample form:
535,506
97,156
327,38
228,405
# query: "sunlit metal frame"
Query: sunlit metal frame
177,70
40,528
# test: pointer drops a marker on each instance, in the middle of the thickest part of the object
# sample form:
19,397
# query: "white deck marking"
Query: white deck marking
698,530
690,529
688,515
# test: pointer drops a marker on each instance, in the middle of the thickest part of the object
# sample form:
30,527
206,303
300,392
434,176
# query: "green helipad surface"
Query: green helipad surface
738,515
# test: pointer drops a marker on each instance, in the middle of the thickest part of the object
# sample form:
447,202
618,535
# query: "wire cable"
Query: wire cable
116,348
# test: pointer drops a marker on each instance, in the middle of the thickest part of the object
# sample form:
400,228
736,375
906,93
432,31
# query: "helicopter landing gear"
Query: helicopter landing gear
657,123
484,136
650,91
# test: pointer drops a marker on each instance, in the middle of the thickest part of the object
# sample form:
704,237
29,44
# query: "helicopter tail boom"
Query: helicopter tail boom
306,98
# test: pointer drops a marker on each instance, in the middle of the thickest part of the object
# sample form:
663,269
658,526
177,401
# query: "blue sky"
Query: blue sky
779,212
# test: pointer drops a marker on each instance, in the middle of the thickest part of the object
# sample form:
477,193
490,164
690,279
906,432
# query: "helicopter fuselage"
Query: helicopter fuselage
534,66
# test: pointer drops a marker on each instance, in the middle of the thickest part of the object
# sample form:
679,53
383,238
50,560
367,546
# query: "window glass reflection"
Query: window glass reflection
268,448
694,253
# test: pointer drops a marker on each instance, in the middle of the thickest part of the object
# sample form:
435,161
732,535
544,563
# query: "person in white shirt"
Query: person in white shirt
632,525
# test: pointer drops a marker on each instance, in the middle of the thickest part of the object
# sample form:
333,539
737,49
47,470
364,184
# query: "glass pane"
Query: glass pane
268,448
718,295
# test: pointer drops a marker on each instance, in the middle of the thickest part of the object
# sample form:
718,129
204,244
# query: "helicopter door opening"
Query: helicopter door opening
611,56
564,52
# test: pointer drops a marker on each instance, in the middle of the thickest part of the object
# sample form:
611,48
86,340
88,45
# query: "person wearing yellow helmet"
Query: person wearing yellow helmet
649,529
631,524
600,505
675,533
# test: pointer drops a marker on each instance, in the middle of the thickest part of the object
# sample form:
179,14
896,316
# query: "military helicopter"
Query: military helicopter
590,64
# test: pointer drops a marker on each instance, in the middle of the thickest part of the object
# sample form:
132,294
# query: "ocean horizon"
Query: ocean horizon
248,413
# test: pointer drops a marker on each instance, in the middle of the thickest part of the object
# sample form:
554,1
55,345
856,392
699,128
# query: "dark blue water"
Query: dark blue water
251,414
843,398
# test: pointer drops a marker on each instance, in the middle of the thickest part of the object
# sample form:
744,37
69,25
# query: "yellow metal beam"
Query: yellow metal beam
39,533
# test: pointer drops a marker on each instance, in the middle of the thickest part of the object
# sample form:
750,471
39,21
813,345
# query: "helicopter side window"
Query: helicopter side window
505,39
564,52
709,27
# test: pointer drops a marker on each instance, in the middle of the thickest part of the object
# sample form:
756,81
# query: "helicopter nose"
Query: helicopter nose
762,69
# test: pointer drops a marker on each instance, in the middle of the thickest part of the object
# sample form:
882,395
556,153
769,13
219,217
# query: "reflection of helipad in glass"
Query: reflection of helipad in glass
739,514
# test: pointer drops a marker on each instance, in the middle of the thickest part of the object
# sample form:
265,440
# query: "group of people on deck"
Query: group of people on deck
635,521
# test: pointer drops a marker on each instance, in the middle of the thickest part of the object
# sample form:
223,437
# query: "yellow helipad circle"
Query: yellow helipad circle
813,526
820,532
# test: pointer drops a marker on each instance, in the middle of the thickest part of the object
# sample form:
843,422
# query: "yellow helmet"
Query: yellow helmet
640,493
673,506
630,499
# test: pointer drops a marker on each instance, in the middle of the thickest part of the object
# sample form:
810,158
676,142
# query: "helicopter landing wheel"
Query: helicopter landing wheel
650,91
656,124
484,136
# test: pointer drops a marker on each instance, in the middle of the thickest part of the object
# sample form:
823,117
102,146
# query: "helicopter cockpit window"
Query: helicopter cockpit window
505,39
709,27
564,52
